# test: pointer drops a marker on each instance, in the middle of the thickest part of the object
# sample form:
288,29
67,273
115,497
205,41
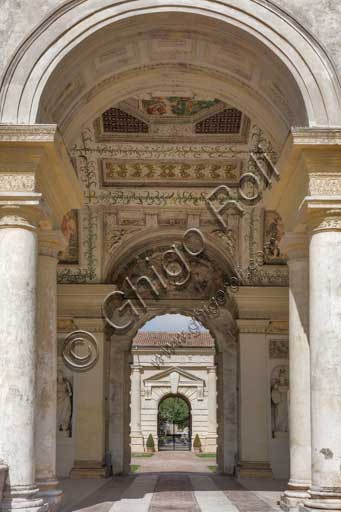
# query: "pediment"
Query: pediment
166,376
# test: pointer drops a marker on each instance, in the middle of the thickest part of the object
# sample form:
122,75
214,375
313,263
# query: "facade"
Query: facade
188,371
179,157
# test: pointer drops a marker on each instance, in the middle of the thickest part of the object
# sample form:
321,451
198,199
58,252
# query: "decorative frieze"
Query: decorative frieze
11,181
186,173
325,184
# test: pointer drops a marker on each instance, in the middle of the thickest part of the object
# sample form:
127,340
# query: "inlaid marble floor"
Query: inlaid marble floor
172,482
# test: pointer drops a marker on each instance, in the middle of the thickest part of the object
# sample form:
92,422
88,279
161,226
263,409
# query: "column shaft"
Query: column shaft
18,269
325,343
45,434
296,246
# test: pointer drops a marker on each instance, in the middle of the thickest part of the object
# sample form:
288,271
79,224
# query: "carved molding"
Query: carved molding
329,220
11,181
28,133
325,184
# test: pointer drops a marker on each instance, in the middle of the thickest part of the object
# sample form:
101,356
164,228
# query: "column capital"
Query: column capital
211,369
136,367
295,245
24,212
34,164
320,217
51,242
309,168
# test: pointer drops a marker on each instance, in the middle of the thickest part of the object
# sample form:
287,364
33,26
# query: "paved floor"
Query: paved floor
168,482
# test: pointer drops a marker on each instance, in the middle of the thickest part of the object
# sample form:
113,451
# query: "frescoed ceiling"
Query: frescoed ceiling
185,117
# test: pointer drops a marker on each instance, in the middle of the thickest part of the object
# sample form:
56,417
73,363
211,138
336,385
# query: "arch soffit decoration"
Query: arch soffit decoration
144,241
304,58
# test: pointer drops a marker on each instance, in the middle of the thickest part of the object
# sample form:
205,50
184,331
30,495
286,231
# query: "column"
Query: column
296,246
18,274
325,347
50,243
135,425
211,438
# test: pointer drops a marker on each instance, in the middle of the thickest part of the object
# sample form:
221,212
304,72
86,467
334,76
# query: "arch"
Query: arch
225,333
143,241
302,56
176,442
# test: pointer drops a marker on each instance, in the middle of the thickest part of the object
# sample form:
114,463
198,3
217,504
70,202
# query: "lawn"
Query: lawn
206,455
142,454
134,468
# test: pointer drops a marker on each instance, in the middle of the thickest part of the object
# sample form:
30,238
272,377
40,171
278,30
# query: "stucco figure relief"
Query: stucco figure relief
273,233
64,404
279,400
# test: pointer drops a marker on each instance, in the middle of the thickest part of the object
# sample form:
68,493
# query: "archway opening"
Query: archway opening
174,424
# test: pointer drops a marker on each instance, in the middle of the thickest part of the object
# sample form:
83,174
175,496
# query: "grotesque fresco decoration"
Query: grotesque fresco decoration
146,173
279,349
176,105
166,183
70,232
273,233
279,400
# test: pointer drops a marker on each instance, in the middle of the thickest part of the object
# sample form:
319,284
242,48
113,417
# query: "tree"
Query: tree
174,410
150,442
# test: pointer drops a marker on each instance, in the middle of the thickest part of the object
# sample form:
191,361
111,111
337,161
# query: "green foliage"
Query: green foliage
143,455
134,468
150,442
197,442
174,410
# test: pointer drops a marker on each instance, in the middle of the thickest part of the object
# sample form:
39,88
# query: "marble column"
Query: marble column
325,347
135,425
211,438
296,247
18,274
50,243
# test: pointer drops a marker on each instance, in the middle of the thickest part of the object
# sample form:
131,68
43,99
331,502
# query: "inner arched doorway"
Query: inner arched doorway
174,424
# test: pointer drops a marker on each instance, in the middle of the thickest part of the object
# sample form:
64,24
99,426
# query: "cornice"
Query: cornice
28,133
35,157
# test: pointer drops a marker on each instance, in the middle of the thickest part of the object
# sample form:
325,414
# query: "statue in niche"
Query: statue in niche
279,400
64,404
273,234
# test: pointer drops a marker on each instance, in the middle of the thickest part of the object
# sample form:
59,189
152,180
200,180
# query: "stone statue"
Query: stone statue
279,400
64,404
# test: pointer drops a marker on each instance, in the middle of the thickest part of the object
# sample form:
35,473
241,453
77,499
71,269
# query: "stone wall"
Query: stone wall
321,17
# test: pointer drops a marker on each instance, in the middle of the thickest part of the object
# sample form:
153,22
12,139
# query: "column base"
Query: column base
321,505
292,499
23,498
89,469
321,499
254,470
50,494
136,443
